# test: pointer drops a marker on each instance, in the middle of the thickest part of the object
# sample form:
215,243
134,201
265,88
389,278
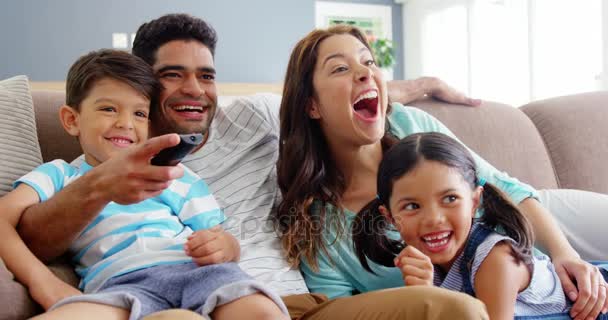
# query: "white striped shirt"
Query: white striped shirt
238,161
543,296
126,238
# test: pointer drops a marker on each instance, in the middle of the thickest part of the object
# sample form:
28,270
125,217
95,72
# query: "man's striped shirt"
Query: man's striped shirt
238,161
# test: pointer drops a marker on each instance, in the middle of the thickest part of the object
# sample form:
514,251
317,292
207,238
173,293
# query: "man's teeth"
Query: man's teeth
367,95
437,236
192,108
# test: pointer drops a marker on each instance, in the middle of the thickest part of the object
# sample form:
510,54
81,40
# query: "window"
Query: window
512,51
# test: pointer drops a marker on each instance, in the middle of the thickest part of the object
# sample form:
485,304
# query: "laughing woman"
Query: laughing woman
336,123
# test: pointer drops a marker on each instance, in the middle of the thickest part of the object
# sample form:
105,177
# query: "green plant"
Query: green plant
383,52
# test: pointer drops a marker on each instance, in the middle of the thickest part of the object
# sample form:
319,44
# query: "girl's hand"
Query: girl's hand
589,294
415,266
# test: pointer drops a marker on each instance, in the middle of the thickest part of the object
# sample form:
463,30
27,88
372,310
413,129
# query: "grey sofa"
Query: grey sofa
555,143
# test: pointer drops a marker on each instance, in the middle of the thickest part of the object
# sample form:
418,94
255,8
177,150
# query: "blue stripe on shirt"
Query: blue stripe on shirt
163,224
127,242
206,220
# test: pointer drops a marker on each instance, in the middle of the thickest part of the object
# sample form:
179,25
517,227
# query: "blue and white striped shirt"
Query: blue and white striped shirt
544,295
126,238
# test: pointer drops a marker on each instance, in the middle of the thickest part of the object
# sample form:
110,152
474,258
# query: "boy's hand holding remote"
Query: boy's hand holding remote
173,155
129,178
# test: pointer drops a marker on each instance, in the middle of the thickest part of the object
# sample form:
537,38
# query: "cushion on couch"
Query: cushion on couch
575,134
19,149
491,129
19,154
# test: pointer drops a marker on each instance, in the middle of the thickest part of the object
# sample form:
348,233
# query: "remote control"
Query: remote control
174,155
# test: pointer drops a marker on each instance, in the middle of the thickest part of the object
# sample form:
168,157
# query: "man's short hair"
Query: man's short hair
178,26
110,64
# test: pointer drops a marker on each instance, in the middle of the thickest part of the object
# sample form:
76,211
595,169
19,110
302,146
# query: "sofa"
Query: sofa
555,143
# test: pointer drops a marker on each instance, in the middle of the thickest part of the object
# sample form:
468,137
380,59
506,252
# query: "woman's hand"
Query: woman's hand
416,267
589,294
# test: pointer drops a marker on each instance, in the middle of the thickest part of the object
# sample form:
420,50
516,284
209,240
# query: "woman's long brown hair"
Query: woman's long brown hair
306,171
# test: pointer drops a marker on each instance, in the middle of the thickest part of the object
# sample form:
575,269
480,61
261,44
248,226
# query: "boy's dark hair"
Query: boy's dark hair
112,64
178,26
370,226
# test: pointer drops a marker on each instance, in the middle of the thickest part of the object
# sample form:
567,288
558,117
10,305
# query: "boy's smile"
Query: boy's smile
112,117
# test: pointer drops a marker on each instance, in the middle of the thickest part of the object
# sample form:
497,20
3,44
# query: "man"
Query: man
237,160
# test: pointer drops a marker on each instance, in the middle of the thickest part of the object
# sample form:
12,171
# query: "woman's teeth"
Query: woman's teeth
367,95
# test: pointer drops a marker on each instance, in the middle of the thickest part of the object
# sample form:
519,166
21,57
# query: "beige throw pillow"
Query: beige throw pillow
19,149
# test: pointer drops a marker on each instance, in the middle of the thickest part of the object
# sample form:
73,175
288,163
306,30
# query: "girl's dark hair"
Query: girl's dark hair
177,26
306,172
370,226
110,64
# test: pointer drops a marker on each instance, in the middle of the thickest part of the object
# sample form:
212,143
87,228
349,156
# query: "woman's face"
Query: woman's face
351,100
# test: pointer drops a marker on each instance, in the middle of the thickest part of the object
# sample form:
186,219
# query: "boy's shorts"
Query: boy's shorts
187,286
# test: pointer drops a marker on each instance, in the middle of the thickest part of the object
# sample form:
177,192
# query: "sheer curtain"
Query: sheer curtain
512,51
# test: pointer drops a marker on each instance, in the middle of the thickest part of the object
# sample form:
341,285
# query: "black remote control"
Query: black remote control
174,155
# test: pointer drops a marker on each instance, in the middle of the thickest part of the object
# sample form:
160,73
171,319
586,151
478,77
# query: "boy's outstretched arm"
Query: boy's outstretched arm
499,280
50,227
43,285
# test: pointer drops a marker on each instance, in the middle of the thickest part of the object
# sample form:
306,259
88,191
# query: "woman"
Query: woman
335,126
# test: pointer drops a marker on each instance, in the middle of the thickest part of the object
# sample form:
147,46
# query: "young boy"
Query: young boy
131,256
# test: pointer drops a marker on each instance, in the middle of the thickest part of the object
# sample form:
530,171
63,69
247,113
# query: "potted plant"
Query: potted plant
384,54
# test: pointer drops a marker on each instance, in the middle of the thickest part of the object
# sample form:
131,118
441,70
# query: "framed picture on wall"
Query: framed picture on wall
374,20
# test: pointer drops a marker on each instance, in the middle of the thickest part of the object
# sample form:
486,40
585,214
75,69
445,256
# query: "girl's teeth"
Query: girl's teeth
437,244
438,236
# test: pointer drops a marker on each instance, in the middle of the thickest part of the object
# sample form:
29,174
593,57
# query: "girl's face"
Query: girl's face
351,99
432,207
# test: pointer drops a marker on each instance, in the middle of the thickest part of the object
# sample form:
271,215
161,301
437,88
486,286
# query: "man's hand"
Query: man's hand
212,246
415,266
406,91
130,178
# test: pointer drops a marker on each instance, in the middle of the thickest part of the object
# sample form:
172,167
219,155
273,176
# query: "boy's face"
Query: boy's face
188,100
113,117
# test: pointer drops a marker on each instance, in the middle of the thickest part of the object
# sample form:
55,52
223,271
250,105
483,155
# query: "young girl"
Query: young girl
429,190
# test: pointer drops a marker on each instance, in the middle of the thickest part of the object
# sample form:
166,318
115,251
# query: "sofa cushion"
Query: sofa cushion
502,135
575,132
19,149
55,143
16,302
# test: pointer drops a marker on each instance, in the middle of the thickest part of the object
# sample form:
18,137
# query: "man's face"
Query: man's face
189,98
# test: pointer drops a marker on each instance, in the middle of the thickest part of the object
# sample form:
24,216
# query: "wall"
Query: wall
41,38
